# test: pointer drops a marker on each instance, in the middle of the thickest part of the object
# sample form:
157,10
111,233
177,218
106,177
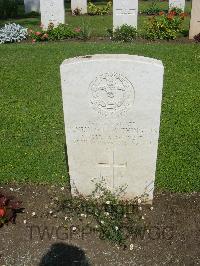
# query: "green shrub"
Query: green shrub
125,33
177,10
153,10
8,9
164,26
61,32
96,10
84,32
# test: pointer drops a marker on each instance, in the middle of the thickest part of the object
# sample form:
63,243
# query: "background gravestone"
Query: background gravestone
52,11
195,19
32,5
112,107
177,3
125,12
80,4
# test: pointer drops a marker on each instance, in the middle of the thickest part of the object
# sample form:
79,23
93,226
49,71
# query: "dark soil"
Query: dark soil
172,238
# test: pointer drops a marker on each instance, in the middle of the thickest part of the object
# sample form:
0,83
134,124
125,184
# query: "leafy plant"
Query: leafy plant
177,10
12,33
8,9
9,207
38,36
97,10
114,219
61,32
197,37
153,9
125,33
165,26
83,32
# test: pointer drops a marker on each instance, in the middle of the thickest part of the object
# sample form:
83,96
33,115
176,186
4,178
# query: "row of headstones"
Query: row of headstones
124,12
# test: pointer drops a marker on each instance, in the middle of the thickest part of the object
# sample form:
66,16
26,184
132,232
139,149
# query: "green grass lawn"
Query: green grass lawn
97,24
32,127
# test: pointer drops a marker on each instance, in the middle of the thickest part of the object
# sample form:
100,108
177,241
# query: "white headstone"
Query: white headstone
79,4
177,3
32,5
112,106
195,19
125,12
52,11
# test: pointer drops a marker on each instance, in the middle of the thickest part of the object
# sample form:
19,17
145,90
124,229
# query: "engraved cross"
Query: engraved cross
112,165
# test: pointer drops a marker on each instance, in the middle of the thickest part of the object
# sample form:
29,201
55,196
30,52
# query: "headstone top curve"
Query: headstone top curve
103,57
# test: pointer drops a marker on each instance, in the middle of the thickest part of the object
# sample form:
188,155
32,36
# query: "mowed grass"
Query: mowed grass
98,25
32,128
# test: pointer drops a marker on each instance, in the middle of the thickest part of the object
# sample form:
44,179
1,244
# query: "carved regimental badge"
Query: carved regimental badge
111,93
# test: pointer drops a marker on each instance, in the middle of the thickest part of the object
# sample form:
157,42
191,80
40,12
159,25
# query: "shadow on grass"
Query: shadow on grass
61,254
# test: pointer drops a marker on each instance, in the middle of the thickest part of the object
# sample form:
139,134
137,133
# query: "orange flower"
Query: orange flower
170,16
161,13
2,212
182,15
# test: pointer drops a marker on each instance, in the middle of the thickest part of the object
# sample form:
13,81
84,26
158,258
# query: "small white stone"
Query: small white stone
131,246
33,213
139,201
142,217
65,218
107,213
140,208
62,188
102,222
74,228
151,208
50,212
108,202
25,221
116,228
11,189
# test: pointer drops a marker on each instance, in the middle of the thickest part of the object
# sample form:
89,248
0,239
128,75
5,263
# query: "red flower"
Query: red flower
77,29
2,212
34,40
173,13
38,33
